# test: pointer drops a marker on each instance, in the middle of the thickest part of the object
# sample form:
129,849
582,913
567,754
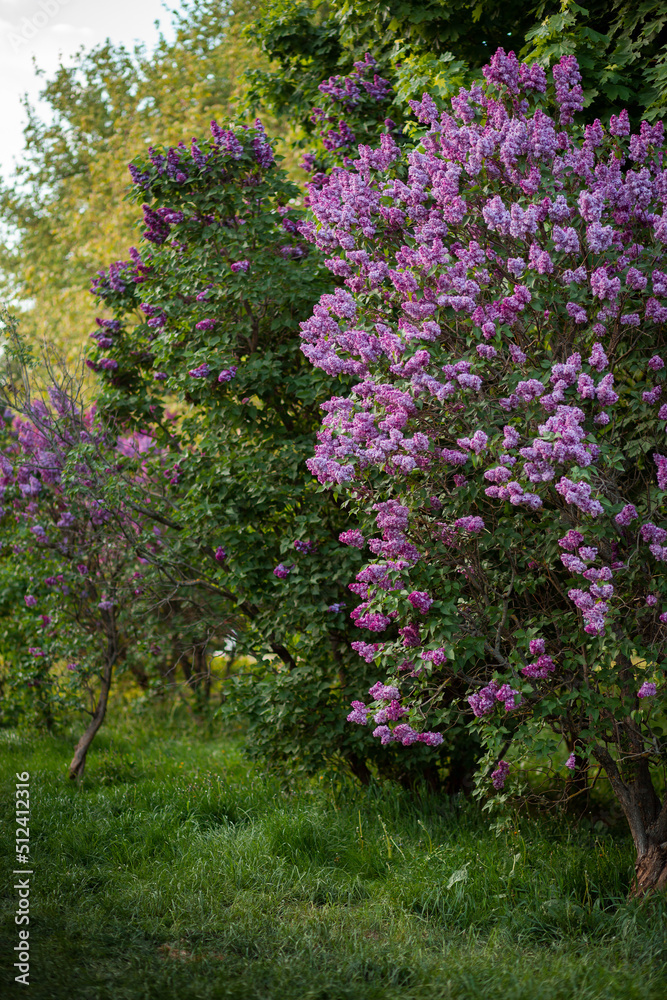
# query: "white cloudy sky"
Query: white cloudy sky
49,29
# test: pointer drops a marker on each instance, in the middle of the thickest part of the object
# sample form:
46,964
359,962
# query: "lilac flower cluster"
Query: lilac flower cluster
492,274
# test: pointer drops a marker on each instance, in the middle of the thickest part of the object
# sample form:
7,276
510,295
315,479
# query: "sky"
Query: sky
50,29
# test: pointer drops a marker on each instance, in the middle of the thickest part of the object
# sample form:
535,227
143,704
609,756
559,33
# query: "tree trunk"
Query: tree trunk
78,764
646,818
650,871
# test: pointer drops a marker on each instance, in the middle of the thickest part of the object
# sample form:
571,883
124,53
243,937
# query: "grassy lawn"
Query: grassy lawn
179,871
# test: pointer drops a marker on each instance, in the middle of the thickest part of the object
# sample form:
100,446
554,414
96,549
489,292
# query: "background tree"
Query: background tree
64,211
621,49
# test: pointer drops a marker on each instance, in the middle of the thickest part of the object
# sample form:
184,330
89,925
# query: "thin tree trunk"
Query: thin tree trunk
78,764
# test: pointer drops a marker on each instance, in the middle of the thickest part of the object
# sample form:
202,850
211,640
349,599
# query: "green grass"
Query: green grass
178,871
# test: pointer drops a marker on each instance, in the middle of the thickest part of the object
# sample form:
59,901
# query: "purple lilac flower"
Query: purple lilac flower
336,608
384,692
499,776
353,537
30,600
598,358
661,463
571,762
420,600
647,690
470,523
367,650
483,701
220,554
510,698
203,371
410,634
240,266
569,92
435,656
627,515
540,669
392,713
281,570
652,395
227,374
359,713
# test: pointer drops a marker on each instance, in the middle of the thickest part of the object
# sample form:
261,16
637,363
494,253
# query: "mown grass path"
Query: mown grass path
178,871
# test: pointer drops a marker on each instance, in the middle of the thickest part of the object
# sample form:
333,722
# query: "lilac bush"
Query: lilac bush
88,512
503,312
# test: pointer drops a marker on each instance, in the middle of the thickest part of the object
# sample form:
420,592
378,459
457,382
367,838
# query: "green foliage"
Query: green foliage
438,46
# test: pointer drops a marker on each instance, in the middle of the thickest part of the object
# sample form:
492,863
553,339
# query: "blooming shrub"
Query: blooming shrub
85,551
203,322
503,313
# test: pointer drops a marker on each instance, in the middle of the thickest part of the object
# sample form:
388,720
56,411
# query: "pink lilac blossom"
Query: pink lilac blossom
647,690
509,697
